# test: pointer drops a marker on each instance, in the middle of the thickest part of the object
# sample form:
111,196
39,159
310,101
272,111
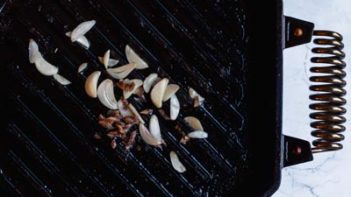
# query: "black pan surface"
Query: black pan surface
216,47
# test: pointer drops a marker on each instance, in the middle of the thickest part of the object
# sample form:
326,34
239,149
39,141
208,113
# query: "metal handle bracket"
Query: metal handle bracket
297,32
296,151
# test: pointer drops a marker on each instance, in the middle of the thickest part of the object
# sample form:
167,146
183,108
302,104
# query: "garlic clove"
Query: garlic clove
91,84
150,81
122,71
106,95
158,92
170,91
82,67
177,165
174,107
147,137
154,128
194,123
34,52
82,29
198,134
196,97
132,57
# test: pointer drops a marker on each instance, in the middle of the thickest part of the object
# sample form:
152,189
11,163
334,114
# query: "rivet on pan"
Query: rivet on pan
298,32
297,150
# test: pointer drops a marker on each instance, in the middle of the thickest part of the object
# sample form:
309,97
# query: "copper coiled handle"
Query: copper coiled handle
328,91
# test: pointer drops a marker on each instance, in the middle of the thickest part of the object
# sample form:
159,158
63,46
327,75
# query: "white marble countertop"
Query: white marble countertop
329,174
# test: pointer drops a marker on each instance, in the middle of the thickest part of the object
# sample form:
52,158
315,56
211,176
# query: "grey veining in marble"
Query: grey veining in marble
330,173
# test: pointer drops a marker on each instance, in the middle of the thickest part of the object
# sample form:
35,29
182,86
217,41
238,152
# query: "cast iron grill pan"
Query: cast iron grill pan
50,149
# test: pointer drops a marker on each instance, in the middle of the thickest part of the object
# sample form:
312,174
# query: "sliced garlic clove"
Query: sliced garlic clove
124,109
82,29
122,71
45,67
137,84
91,84
62,80
83,41
174,107
136,113
132,57
192,93
106,94
198,134
33,51
147,137
154,128
82,67
41,64
123,68
150,81
105,59
170,91
158,91
197,98
177,165
194,123
112,62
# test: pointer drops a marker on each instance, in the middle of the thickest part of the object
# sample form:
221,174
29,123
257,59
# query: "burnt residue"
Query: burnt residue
198,45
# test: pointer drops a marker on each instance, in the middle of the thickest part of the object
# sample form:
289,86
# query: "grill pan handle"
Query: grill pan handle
327,91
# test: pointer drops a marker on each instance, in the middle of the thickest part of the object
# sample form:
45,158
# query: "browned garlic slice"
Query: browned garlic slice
128,92
91,84
132,57
170,91
124,109
40,63
150,81
136,113
197,98
177,165
122,71
112,62
158,92
62,80
174,107
106,95
147,112
198,134
82,29
82,67
194,123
